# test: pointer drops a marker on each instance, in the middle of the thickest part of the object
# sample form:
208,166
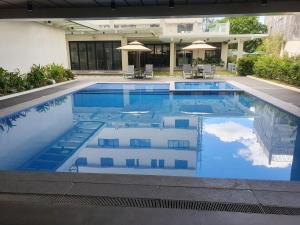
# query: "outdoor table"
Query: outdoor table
138,74
197,70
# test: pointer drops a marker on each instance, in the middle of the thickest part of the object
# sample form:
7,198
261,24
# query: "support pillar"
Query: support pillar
124,55
240,49
224,54
172,57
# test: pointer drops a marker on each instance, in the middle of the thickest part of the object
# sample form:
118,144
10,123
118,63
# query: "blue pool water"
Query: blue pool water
211,86
145,129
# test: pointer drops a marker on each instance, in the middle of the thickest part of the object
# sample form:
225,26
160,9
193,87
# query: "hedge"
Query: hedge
278,68
245,65
273,67
38,76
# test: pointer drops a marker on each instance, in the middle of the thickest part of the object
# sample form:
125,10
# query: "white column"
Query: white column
124,55
240,48
172,56
224,54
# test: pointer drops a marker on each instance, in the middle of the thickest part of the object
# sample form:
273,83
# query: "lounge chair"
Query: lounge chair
208,71
148,71
129,73
187,71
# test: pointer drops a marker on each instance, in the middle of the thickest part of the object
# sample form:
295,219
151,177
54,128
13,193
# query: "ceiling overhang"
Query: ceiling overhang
43,9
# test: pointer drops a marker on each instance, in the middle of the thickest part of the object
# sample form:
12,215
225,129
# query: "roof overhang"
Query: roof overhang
144,8
230,38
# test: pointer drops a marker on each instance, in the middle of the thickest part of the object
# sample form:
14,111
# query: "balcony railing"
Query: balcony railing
171,29
129,28
216,28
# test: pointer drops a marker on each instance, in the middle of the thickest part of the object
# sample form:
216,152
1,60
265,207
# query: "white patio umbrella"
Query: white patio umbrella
199,45
137,47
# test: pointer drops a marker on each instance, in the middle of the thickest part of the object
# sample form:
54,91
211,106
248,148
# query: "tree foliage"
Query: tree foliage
271,45
246,25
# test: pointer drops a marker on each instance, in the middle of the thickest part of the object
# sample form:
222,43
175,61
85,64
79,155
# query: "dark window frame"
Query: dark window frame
115,65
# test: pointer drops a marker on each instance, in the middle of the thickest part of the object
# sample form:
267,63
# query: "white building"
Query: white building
289,27
90,46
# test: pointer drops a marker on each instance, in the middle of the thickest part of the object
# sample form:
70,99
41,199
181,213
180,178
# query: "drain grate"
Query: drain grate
148,203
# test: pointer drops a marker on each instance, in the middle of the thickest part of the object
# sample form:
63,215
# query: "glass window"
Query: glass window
161,163
117,58
159,56
157,163
130,163
74,55
108,54
183,57
100,56
181,164
178,144
108,143
140,143
153,163
82,56
106,162
180,123
82,161
91,55
185,28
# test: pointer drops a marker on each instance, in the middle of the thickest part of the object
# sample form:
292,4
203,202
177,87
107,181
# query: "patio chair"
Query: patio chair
129,73
187,71
208,71
213,69
148,71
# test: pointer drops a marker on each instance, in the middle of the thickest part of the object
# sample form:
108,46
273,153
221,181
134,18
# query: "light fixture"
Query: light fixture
171,4
263,2
29,6
113,4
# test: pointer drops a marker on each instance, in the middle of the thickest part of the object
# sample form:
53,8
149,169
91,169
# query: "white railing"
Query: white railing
218,28
129,26
197,29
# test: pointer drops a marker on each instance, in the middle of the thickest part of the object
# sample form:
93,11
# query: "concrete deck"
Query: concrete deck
65,198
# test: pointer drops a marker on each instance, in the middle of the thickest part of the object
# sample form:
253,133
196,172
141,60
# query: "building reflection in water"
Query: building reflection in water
166,138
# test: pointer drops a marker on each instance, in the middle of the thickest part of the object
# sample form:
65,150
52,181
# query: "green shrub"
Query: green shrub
56,72
16,82
3,81
69,74
245,65
11,82
37,77
278,68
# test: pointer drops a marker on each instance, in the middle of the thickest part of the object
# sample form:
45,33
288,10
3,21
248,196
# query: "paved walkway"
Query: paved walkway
281,93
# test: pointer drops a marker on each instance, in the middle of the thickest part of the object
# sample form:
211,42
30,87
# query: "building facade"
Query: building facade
94,46
289,28
90,46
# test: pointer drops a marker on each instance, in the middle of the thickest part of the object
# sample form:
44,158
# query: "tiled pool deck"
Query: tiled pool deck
43,198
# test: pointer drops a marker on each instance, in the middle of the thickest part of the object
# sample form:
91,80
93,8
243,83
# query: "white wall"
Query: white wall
292,48
25,43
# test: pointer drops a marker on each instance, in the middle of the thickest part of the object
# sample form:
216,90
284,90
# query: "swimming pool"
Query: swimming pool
208,86
146,129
